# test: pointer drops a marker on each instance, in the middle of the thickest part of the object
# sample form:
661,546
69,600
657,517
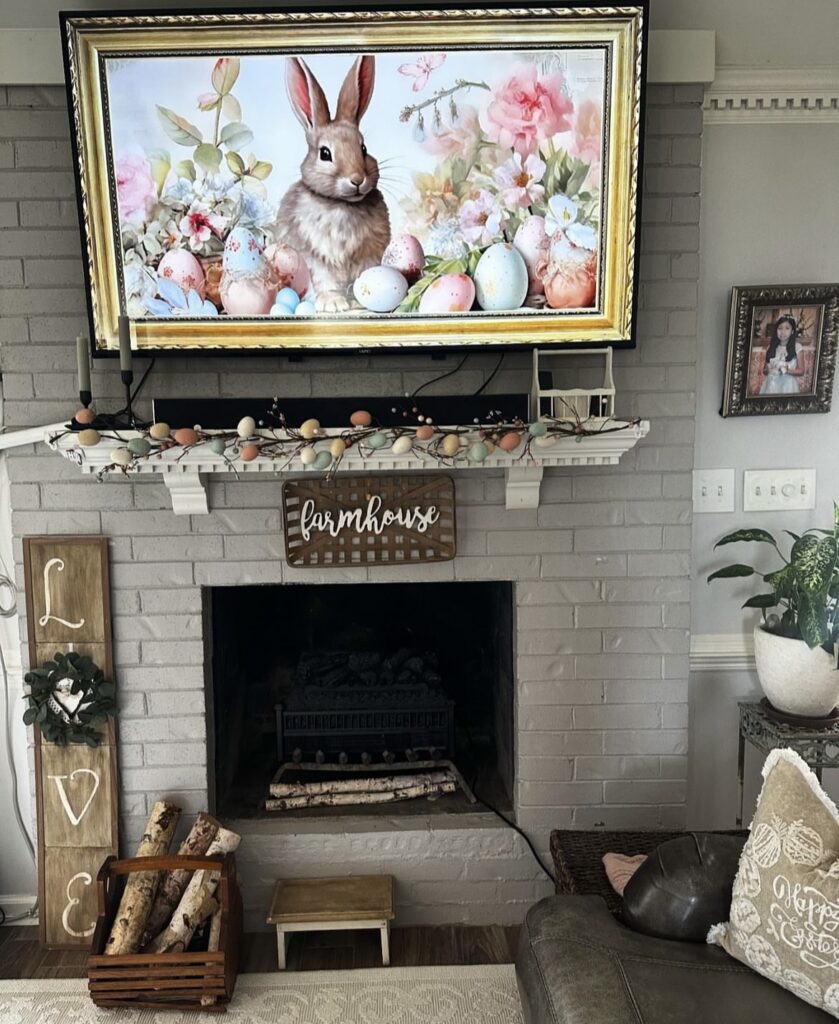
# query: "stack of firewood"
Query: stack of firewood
160,911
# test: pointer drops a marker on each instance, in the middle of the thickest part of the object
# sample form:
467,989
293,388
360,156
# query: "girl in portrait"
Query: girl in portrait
780,368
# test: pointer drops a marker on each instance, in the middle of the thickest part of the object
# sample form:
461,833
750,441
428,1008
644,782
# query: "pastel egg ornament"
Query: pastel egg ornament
449,293
310,429
509,442
425,433
89,438
404,253
308,455
84,415
380,289
402,445
246,427
182,268
478,451
218,446
377,440
361,418
501,278
186,436
337,447
537,429
249,452
121,457
159,431
451,445
139,446
323,460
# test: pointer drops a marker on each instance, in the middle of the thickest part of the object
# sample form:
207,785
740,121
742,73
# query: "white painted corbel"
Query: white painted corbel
523,485
187,491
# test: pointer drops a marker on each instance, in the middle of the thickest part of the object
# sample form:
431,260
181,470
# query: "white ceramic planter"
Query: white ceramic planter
794,678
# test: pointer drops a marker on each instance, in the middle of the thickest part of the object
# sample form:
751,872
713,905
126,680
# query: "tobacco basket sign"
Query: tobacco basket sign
363,520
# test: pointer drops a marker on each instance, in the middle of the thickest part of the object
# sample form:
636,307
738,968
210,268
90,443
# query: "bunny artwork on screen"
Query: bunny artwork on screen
393,184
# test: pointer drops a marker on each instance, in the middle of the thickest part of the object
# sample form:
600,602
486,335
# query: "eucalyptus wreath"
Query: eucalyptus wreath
69,699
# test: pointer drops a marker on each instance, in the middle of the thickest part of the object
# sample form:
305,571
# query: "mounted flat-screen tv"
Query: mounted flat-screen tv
316,179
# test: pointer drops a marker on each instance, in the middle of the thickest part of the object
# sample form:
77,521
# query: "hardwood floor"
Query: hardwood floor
22,957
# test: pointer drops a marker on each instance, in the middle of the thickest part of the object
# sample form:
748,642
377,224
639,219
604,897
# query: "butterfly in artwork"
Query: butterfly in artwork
426,63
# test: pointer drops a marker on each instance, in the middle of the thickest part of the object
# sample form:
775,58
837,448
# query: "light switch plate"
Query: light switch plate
713,490
779,490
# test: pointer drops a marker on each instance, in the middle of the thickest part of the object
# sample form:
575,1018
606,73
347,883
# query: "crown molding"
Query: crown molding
773,95
721,652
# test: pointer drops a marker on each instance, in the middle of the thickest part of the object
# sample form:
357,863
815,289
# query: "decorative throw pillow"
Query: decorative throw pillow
784,916
620,868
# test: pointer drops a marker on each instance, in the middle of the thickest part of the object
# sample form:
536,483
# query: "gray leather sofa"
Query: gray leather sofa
577,964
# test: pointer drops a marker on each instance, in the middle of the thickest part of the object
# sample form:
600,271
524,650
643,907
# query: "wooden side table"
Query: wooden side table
819,748
332,904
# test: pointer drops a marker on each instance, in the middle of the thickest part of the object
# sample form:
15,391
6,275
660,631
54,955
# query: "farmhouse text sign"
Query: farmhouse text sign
363,520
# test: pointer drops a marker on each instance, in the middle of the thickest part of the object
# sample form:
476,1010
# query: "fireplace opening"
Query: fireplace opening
336,699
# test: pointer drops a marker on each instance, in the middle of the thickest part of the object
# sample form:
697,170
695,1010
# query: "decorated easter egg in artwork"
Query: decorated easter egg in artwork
121,456
186,436
89,438
184,270
501,278
402,445
242,253
247,296
246,427
380,289
532,242
404,253
288,297
160,431
305,308
361,418
289,267
571,275
139,446
449,293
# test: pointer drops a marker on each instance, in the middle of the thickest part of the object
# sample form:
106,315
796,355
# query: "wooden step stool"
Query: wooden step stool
332,904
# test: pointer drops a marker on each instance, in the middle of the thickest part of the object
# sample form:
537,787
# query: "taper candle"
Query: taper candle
83,359
124,344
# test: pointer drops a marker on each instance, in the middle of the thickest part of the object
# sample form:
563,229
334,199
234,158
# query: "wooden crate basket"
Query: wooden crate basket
177,981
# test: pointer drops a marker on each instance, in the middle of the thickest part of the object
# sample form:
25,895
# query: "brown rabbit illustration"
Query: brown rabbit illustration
335,216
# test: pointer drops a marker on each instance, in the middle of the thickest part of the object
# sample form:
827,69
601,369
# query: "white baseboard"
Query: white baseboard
721,652
15,905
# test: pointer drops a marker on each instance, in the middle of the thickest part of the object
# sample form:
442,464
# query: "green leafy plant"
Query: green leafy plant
805,588
69,699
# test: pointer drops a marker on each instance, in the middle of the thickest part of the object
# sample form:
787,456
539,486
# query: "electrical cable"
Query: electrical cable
8,610
442,376
488,381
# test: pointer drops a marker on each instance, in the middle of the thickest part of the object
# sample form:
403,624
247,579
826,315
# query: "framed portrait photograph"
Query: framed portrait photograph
781,349
340,179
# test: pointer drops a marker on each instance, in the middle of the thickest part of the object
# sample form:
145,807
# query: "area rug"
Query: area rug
395,995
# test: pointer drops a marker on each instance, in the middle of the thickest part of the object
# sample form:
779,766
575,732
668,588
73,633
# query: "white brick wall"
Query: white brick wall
602,567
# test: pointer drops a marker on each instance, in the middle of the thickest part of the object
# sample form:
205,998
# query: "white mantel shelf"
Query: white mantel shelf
184,472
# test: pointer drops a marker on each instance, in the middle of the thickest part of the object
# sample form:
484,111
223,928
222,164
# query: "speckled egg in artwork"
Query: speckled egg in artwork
449,293
380,289
247,295
501,278
289,267
182,268
242,252
404,253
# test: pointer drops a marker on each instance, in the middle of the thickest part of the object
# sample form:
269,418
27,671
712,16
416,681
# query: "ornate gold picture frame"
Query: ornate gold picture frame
359,179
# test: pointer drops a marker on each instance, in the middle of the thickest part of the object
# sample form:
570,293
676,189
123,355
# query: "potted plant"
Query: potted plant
795,645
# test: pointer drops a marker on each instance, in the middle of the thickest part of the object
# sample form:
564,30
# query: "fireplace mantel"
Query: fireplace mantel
183,471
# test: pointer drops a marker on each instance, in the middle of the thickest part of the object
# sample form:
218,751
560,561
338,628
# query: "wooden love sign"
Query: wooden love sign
369,520
68,608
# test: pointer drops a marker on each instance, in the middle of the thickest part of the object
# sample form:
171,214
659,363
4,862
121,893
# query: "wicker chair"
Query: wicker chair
577,857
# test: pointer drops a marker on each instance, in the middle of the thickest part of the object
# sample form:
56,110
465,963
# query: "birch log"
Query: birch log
362,785
140,886
173,883
212,947
202,886
290,803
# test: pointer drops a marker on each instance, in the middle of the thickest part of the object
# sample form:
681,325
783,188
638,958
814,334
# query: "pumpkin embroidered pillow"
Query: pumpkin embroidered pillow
784,917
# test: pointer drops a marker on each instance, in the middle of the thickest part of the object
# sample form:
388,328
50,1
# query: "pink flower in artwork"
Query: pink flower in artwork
588,132
454,134
198,223
481,219
136,191
519,180
526,109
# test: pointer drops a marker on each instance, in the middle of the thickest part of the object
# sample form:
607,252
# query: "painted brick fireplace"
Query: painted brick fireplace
601,569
